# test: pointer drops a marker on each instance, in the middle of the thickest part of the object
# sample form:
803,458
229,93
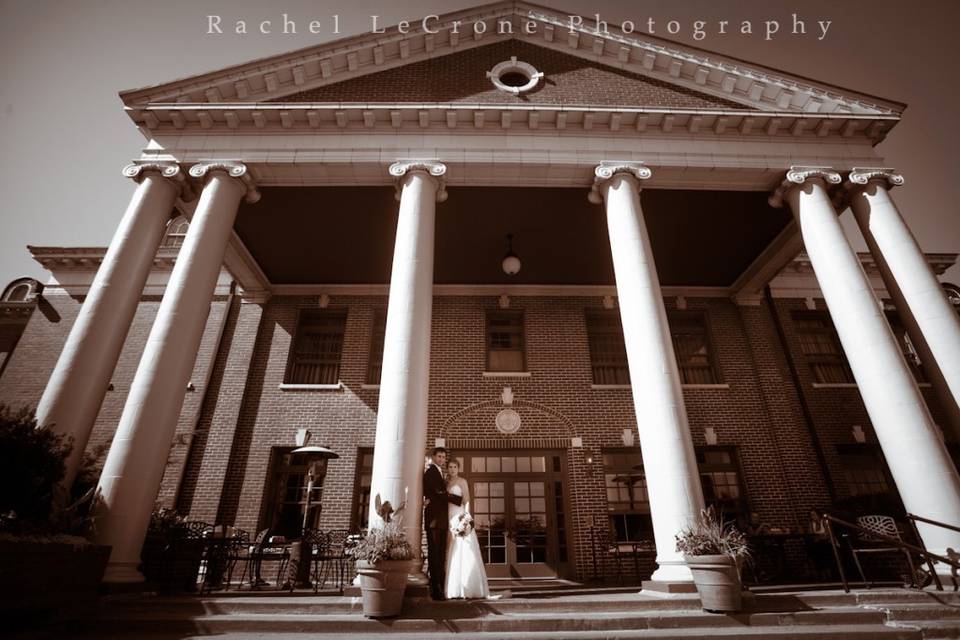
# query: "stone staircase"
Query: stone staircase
557,615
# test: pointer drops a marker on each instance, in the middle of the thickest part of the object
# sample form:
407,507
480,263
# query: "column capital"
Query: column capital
797,176
604,172
861,177
171,171
234,169
433,168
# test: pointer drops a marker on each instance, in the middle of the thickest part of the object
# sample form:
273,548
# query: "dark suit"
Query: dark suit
435,515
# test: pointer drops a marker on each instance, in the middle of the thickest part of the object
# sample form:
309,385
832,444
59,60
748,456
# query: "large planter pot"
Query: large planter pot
382,585
49,577
718,582
171,565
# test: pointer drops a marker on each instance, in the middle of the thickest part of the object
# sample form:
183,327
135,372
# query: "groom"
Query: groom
435,516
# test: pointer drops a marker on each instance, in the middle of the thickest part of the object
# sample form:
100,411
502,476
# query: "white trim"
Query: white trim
834,385
715,385
370,386
310,387
492,290
506,374
606,387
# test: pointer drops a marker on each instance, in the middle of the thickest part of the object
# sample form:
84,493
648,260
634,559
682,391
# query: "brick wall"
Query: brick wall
244,413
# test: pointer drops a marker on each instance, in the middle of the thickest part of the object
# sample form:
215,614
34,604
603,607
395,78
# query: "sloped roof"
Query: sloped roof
661,63
461,77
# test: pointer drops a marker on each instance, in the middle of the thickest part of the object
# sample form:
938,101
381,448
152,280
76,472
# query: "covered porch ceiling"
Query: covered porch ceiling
345,235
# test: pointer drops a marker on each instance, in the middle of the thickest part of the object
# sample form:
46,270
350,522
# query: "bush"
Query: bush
709,535
31,465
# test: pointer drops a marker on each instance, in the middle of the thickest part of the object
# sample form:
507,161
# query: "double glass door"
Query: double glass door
517,500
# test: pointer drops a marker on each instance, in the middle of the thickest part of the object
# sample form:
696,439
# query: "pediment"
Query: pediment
461,77
647,69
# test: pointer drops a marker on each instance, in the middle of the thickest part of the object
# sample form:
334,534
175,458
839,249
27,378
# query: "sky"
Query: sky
64,136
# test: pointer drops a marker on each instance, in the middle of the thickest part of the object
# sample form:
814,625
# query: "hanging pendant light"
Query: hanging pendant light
511,263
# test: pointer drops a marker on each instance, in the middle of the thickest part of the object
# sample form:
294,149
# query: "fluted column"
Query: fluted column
669,461
405,376
918,460
134,466
931,322
81,377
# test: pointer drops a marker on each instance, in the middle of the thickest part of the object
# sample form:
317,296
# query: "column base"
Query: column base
122,573
663,587
672,571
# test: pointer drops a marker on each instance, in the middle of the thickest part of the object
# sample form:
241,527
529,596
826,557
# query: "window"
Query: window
176,232
375,364
627,501
821,348
608,355
287,493
864,470
315,356
721,480
629,505
361,492
691,345
505,344
906,347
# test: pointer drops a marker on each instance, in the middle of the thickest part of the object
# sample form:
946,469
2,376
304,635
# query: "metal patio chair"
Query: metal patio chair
865,543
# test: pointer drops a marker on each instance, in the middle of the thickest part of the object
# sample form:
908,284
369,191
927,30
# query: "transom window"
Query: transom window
821,348
505,342
176,232
508,464
317,346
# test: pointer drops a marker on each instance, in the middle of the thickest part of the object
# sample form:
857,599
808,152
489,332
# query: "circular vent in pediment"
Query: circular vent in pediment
514,76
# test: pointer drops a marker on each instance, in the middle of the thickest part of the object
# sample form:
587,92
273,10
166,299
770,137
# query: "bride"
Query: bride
466,577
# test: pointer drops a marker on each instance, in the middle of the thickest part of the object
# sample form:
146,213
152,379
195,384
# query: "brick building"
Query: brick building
302,296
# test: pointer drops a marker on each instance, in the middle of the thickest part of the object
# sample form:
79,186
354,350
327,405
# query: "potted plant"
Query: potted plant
714,550
171,555
47,562
383,559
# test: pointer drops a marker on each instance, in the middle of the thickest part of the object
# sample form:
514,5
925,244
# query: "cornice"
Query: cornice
335,119
939,263
750,84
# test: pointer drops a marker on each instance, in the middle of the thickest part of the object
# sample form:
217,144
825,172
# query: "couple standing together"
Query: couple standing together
453,552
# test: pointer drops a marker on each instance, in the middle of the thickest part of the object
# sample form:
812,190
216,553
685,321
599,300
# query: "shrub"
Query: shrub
709,535
31,465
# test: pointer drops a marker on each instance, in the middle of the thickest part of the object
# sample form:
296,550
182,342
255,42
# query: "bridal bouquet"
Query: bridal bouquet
461,524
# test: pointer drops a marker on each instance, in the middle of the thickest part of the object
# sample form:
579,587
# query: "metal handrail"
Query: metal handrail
928,556
942,525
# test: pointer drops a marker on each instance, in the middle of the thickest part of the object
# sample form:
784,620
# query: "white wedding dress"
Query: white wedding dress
466,577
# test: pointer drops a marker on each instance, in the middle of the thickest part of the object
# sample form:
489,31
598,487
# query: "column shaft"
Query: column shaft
135,464
918,460
81,377
669,462
398,459
931,323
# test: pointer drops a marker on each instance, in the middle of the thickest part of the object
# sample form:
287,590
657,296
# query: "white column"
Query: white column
918,460
930,320
79,382
669,462
134,466
405,376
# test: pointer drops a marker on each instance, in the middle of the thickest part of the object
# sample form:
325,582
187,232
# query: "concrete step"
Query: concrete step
808,632
920,611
